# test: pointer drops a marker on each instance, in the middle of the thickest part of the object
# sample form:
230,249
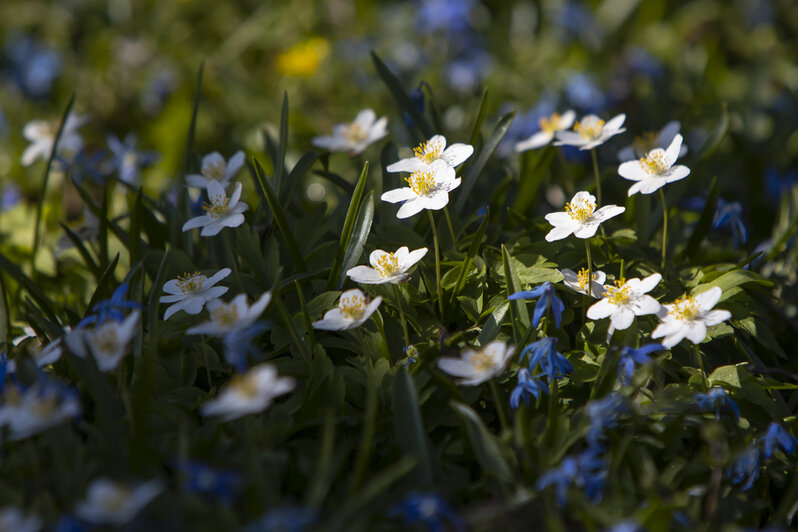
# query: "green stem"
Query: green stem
596,173
437,262
451,227
497,398
589,273
569,178
700,361
664,227
233,259
398,296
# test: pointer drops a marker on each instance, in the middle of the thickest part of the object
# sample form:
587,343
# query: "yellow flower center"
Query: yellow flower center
550,124
481,361
218,206
428,151
245,385
654,162
214,171
354,133
12,396
44,408
589,129
645,142
352,306
581,209
116,499
581,278
105,341
191,283
421,182
387,265
225,315
685,309
618,294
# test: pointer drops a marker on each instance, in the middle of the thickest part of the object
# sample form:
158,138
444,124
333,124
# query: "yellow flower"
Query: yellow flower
303,58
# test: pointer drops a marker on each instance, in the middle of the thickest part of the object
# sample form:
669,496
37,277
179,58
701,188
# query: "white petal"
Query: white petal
646,305
456,154
407,165
560,218
601,309
410,208
231,220
696,332
651,185
216,277
234,165
622,319
647,284
613,126
213,228
172,299
632,170
558,233
413,257
607,212
634,189
456,367
398,194
586,230
672,153
366,275
175,308
568,138
709,298
196,181
214,292
330,143
172,287
567,119
538,140
365,118
435,201
199,221
677,173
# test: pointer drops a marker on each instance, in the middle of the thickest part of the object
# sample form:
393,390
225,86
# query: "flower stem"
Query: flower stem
497,398
398,296
596,173
700,362
664,227
589,289
451,227
437,261
233,259
569,178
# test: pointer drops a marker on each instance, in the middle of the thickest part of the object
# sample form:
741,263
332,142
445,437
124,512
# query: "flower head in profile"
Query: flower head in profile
387,267
355,136
434,149
220,211
578,281
544,355
591,132
547,298
745,468
429,510
527,387
12,519
630,358
352,311
107,342
689,317
127,160
587,470
580,217
654,170
111,309
549,125
651,140
729,215
477,366
190,292
109,502
234,316
777,437
42,355
624,300
248,393
32,410
41,134
604,413
717,400
215,168
428,188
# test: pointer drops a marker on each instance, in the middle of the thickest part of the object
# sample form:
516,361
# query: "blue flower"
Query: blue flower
111,309
630,357
745,468
286,519
427,509
527,387
626,526
582,91
588,471
205,480
547,298
544,354
239,343
603,414
32,67
448,15
10,196
729,215
717,399
776,183
775,437
67,523
466,72
127,160
84,166
417,97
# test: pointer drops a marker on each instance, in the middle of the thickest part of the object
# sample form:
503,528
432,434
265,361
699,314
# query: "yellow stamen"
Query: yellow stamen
589,129
685,309
352,306
654,162
550,124
481,361
421,182
225,315
581,278
428,151
387,265
618,294
190,283
218,206
105,341
581,209
245,385
354,133
214,171
645,142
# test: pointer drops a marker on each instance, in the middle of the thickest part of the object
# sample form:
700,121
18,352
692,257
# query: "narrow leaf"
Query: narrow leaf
349,222
359,235
409,426
401,96
484,444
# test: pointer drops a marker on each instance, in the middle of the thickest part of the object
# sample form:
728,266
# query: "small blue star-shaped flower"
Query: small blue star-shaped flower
547,298
544,354
527,387
717,399
631,357
778,437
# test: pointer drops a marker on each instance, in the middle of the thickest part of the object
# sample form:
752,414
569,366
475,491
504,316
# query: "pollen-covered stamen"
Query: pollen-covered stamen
581,278
214,171
654,162
218,207
550,124
580,209
428,151
387,265
191,283
645,142
225,315
352,306
105,341
421,182
589,129
245,385
618,294
481,361
354,133
685,308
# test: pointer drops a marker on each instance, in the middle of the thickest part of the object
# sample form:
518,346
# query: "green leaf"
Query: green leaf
295,176
531,176
104,288
518,312
32,288
483,109
730,280
401,97
484,444
471,253
359,236
704,222
409,426
348,229
718,134
5,317
492,326
91,265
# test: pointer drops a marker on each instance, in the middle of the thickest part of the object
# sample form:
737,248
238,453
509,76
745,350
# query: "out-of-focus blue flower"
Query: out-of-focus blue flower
429,510
286,519
83,166
417,97
588,471
527,387
603,414
626,526
33,68
631,357
127,161
717,400
745,468
448,15
67,523
641,62
547,298
465,73
10,196
777,183
576,21
544,354
159,88
208,481
240,343
111,309
729,215
778,437
582,91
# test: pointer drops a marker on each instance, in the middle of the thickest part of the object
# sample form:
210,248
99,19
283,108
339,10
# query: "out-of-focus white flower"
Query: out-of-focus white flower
39,407
111,503
352,311
590,132
655,170
549,125
233,316
191,291
477,366
42,356
429,189
355,136
689,317
387,267
108,342
649,141
580,217
430,151
627,299
220,211
249,393
13,520
578,281
215,168
41,134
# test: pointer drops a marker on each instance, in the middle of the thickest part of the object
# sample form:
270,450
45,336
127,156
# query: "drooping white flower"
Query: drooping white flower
111,503
249,393
590,132
355,136
191,291
387,267
580,217
578,281
549,125
428,189
689,317
352,311
13,520
215,168
107,342
220,211
37,408
477,366
434,149
649,141
625,300
41,134
233,316
655,170
42,356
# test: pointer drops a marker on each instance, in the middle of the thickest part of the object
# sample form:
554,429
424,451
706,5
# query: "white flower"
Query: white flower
41,134
627,299
430,151
387,267
249,393
590,132
13,520
580,217
233,316
475,367
655,170
191,291
353,310
215,168
429,189
578,281
111,503
42,356
689,318
648,141
39,407
221,211
107,342
549,125
355,136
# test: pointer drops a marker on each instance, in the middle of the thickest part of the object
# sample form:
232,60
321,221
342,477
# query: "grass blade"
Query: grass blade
103,285
704,222
484,444
279,161
409,426
470,254
483,108
91,265
518,312
32,288
346,232
295,175
401,97
359,236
